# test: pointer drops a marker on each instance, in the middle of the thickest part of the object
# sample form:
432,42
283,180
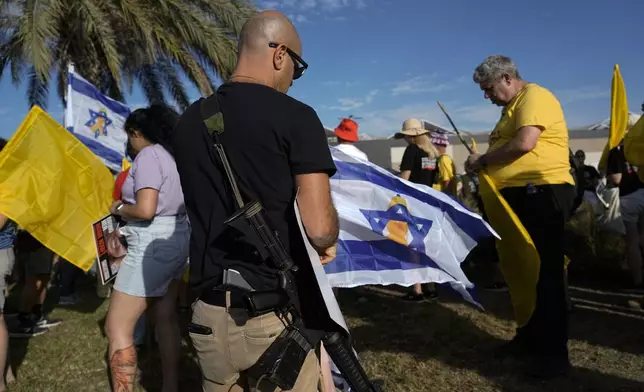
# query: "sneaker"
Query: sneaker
431,295
26,331
9,311
413,297
46,322
67,300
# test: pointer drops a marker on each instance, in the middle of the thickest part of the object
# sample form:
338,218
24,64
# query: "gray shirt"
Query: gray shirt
155,168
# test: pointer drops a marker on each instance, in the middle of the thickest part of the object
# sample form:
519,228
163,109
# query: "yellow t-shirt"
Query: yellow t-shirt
548,162
446,171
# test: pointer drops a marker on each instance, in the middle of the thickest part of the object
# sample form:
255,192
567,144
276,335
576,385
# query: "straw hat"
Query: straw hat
411,127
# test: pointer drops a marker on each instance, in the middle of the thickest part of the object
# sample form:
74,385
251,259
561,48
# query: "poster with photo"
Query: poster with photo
107,268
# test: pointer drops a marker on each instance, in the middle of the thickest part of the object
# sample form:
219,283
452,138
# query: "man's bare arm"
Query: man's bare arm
319,216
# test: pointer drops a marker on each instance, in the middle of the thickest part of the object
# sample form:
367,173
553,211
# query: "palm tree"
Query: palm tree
114,43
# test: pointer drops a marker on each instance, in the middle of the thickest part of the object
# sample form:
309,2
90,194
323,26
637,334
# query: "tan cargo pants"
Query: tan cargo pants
235,344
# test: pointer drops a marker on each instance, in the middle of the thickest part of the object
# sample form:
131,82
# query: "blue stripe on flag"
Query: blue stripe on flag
380,255
92,92
97,148
473,227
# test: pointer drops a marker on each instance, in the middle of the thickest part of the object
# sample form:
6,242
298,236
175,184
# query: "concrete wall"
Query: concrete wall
592,146
388,153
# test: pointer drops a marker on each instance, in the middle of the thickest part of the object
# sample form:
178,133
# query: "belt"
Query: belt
218,298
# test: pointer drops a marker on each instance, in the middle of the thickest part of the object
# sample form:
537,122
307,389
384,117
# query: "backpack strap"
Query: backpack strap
213,120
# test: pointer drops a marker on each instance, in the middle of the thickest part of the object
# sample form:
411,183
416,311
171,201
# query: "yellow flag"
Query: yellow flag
125,164
618,116
634,146
54,187
518,256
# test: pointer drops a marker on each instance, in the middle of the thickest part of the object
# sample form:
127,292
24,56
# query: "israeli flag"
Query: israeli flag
96,120
393,231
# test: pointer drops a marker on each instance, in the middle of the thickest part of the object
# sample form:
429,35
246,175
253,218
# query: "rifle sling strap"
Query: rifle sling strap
213,119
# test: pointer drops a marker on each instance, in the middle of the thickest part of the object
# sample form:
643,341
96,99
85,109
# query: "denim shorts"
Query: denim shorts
157,254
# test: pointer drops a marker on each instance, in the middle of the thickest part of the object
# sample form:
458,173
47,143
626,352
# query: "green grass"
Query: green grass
443,346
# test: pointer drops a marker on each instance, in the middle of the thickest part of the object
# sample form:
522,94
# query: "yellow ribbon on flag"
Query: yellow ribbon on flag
54,187
618,116
125,164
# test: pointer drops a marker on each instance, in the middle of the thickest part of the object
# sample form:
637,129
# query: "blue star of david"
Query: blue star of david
418,227
92,121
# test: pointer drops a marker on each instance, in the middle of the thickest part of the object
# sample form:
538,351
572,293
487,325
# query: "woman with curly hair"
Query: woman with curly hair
157,235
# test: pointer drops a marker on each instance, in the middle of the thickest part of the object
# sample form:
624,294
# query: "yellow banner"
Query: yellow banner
518,256
618,116
634,146
54,187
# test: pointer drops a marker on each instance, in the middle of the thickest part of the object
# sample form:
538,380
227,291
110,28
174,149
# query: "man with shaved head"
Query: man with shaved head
278,150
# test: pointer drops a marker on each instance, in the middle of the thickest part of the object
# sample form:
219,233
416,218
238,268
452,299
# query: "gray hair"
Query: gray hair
493,69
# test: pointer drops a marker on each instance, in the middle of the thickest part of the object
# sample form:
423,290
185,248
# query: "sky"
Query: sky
386,60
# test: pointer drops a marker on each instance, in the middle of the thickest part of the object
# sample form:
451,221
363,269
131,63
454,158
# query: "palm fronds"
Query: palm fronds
112,43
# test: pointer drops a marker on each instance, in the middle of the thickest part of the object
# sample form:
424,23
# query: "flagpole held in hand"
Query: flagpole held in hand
458,133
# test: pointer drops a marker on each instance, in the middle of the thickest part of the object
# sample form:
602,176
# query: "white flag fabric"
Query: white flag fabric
393,231
96,120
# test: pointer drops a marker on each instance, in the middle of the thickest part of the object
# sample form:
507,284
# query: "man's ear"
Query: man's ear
279,57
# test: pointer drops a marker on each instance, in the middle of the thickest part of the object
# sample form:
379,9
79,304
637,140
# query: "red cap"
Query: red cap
347,130
118,186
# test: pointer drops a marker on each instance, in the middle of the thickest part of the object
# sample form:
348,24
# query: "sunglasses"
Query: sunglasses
300,65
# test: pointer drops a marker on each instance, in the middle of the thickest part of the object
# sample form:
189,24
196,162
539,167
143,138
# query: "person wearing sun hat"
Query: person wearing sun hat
347,134
422,163
425,160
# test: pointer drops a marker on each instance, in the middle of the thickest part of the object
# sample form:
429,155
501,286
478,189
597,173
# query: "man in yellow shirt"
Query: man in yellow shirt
528,159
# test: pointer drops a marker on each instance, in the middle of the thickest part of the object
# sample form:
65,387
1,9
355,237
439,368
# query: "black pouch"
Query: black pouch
282,361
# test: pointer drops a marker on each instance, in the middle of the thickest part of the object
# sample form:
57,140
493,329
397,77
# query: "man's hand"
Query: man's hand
473,163
328,255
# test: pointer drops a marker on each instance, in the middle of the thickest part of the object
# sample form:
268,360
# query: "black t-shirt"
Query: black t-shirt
269,138
423,169
617,164
590,176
